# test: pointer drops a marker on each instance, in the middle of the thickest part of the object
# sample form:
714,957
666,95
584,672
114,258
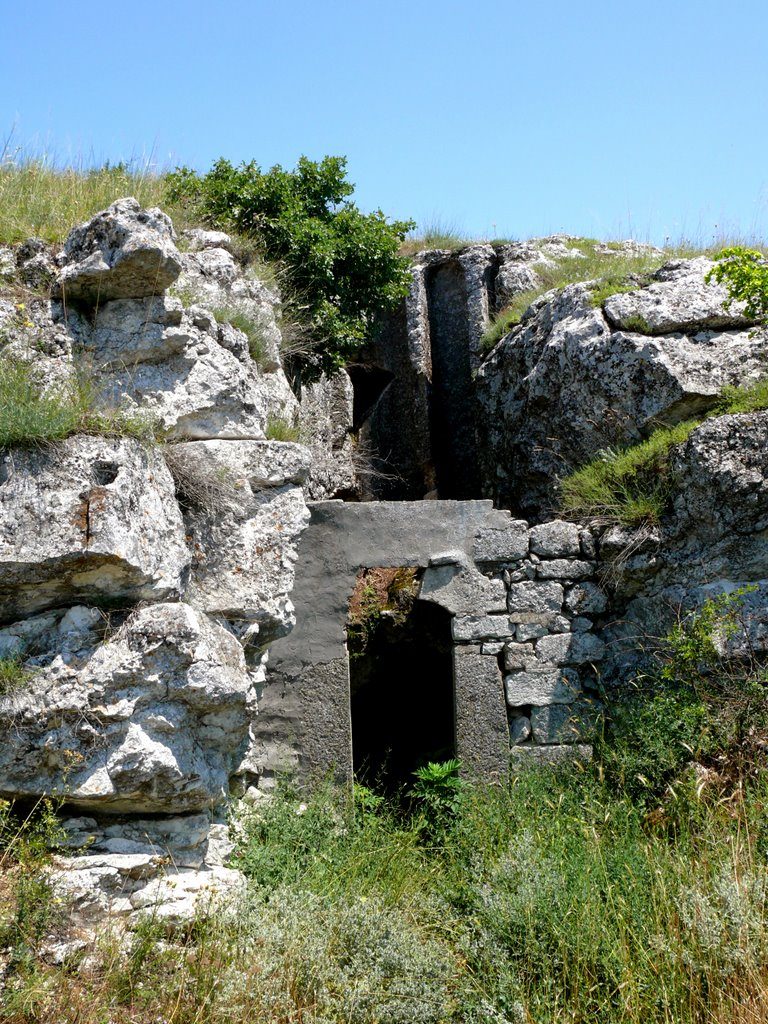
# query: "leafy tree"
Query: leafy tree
343,264
745,274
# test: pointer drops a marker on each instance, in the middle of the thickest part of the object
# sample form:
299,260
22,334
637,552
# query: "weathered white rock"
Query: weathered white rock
507,544
564,569
482,627
679,299
130,887
122,252
198,239
149,330
519,729
585,598
326,423
246,512
531,600
88,519
566,383
203,392
570,648
151,720
217,282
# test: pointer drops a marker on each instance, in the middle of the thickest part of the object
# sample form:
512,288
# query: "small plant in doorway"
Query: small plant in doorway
437,793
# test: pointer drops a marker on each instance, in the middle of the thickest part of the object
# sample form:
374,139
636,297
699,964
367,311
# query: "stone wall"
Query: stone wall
524,647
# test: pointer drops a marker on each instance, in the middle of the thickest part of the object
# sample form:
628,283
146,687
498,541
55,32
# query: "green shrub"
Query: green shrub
345,264
30,415
745,275
436,793
699,702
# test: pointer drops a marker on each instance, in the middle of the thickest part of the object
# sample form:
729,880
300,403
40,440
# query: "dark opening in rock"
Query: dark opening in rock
401,676
368,383
452,406
105,472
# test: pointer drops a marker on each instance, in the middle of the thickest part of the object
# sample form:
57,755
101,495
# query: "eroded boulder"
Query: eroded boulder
88,520
123,252
150,718
565,384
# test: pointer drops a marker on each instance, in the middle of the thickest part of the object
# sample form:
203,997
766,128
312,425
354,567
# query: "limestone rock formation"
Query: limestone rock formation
131,700
89,520
123,252
567,384
245,513
149,716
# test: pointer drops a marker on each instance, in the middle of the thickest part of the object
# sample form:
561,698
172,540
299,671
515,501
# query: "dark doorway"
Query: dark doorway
401,675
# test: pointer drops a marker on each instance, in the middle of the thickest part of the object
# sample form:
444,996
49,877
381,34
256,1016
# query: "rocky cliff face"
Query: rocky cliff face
141,583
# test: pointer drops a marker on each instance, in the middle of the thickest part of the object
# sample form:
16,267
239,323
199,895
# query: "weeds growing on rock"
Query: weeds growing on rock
632,485
13,674
612,271
30,414
250,328
280,429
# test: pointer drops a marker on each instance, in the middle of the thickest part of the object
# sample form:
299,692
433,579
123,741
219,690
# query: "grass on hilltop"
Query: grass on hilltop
613,271
38,199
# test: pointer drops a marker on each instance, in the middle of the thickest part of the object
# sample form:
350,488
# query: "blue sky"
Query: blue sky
598,117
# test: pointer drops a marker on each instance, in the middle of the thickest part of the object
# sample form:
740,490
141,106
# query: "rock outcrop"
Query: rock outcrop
574,378
124,252
146,589
138,601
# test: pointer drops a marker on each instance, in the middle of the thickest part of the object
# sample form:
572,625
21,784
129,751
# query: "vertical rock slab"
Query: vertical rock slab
88,520
246,511
482,732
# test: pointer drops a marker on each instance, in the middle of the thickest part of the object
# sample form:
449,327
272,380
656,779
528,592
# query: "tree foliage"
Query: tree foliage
745,274
343,264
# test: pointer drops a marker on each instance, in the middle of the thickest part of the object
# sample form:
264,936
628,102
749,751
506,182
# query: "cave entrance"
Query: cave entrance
401,680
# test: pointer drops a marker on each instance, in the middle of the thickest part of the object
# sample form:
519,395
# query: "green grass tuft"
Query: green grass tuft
13,674
252,330
628,486
280,429
29,415
631,486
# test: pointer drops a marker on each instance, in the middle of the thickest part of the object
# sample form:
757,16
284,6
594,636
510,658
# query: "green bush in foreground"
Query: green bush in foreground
344,264
30,415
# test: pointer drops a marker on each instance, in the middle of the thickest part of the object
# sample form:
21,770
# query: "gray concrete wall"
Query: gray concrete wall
524,649
305,702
